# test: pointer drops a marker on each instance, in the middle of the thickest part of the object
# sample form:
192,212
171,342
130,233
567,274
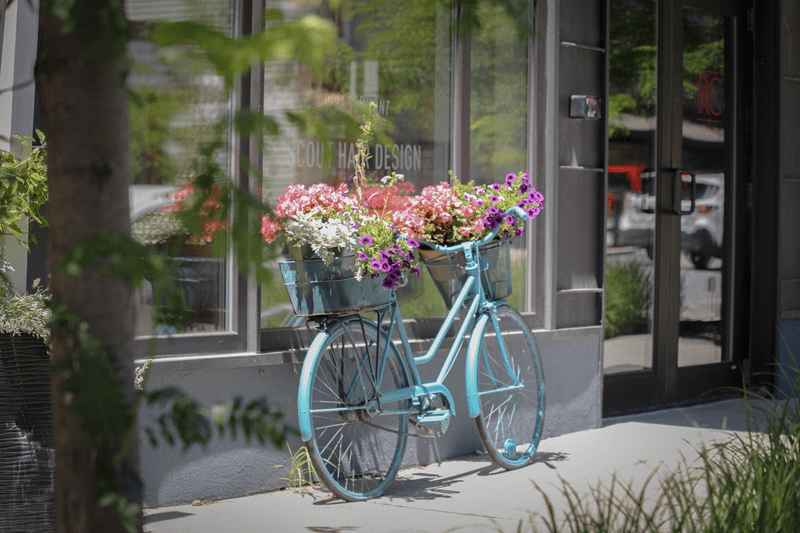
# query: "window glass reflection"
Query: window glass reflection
630,222
499,117
178,105
393,53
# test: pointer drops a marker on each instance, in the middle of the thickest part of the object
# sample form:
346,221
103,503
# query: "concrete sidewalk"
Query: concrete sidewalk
471,493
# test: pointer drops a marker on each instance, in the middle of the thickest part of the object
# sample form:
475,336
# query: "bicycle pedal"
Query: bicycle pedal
433,419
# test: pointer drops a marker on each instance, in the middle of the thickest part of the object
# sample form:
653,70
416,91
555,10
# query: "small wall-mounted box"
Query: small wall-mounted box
582,106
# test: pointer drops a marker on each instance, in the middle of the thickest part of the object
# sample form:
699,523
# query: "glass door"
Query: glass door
674,169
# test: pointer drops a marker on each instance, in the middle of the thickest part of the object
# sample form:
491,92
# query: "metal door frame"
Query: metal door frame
665,383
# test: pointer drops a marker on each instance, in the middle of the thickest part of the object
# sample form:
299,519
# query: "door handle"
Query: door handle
677,191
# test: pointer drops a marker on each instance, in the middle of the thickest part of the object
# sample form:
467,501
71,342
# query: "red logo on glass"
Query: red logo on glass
705,83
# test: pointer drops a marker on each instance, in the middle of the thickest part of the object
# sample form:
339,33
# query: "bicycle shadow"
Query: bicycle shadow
417,484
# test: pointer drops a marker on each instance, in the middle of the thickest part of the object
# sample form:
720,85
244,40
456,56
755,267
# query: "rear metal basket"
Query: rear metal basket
318,289
449,273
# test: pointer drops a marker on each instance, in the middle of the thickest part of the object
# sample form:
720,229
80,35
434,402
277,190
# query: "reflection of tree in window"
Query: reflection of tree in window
632,62
175,102
401,36
498,97
703,51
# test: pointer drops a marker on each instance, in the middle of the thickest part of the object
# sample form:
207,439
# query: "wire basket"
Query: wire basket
448,270
318,289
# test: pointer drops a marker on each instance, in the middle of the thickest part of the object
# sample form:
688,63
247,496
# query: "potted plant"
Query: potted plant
184,229
26,416
449,214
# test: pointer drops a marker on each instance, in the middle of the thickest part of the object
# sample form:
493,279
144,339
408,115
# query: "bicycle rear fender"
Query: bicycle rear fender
304,389
473,402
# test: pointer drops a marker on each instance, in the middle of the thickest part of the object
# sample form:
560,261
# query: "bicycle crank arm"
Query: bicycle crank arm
421,392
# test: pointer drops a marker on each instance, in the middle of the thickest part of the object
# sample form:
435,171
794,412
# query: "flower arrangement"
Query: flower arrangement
330,222
193,218
497,198
452,214
380,223
333,221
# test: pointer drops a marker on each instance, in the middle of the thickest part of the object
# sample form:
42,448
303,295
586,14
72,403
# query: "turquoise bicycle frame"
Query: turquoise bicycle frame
417,389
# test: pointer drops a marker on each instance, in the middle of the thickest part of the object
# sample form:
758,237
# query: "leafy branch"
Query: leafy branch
23,188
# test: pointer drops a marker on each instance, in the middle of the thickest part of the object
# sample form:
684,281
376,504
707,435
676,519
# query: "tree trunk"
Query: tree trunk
84,109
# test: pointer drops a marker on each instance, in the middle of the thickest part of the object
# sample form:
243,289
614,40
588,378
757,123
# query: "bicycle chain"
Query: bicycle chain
378,426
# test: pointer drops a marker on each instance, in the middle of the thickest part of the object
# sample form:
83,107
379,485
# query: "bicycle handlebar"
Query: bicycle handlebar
515,210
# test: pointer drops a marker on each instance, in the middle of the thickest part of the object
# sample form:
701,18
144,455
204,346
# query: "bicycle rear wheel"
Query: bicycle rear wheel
357,442
510,387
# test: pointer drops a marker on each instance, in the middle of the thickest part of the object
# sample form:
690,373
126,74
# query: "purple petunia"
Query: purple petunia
510,179
365,240
510,219
496,187
362,256
413,243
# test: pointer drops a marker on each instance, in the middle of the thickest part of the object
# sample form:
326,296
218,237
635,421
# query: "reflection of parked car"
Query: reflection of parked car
702,231
636,224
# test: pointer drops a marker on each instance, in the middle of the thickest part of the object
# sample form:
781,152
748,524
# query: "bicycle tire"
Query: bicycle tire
355,459
511,417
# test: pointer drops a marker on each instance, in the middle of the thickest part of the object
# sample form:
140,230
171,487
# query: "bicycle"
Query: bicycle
360,394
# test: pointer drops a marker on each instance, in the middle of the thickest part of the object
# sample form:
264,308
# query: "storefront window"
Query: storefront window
499,117
179,106
396,54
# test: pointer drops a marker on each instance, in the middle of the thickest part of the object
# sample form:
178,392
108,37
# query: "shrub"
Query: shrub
627,299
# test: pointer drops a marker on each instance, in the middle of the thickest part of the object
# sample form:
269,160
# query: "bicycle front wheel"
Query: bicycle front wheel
358,441
510,388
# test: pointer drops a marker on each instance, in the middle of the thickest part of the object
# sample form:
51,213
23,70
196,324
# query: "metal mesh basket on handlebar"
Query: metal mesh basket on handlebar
318,289
449,273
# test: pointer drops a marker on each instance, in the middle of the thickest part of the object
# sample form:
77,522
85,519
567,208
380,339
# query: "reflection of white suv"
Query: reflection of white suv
637,222
702,231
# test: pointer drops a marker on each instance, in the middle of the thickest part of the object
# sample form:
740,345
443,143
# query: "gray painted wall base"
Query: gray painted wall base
229,469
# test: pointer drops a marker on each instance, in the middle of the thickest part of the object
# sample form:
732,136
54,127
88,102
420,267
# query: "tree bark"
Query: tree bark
84,110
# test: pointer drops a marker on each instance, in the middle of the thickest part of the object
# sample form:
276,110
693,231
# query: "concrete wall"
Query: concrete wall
229,469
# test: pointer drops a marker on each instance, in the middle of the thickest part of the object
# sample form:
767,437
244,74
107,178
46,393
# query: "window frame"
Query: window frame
237,337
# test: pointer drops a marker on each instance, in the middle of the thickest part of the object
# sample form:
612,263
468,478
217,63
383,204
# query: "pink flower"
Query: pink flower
268,228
